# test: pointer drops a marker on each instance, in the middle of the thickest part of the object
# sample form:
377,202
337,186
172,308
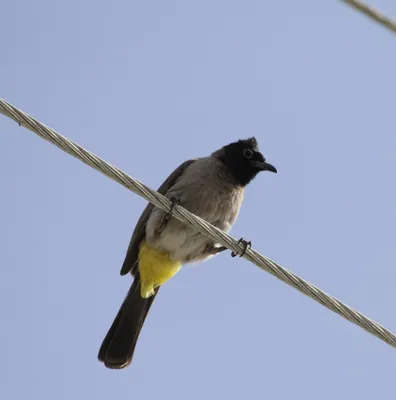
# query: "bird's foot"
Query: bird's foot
167,216
247,245
175,202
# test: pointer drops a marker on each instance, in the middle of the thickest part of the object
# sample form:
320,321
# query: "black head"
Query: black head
244,160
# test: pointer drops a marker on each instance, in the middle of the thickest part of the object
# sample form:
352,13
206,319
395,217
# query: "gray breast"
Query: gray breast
207,189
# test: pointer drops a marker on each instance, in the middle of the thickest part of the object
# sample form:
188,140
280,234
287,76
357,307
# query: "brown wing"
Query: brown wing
140,228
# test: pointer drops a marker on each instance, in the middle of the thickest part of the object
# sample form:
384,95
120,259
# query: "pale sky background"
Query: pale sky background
146,85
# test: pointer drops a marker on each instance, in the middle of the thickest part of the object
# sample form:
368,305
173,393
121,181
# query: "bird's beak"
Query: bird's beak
263,166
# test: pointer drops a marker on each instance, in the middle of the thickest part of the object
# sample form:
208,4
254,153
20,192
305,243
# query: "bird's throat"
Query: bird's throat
155,268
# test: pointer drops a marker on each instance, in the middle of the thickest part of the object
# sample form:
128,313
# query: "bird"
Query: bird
210,187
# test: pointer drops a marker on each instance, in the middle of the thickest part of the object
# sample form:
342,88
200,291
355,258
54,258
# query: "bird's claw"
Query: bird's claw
247,244
175,202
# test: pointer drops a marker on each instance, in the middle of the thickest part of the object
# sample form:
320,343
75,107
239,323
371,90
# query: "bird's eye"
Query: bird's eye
247,153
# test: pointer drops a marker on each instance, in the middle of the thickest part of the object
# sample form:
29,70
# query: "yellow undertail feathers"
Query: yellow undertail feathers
155,269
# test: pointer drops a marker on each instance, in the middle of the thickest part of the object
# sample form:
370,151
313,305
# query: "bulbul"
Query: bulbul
210,187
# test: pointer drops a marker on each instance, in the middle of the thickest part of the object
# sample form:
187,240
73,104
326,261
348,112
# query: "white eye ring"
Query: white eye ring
247,153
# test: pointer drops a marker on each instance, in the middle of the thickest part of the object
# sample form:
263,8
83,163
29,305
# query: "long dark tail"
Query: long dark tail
119,344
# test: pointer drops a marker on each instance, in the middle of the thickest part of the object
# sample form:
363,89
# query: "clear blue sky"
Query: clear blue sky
146,85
